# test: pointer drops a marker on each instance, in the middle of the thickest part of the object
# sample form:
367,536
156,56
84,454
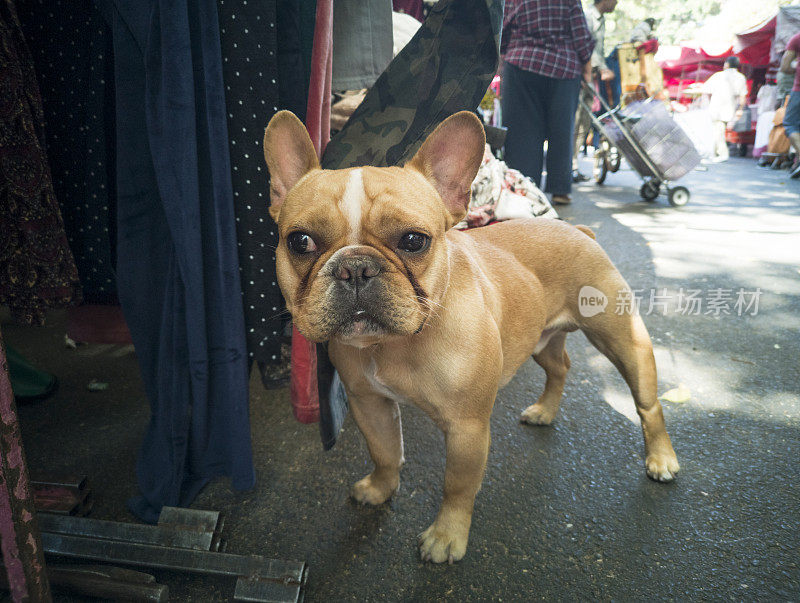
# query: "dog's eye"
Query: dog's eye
301,243
414,242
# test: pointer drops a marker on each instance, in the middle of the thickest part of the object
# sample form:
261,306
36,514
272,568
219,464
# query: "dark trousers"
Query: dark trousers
538,108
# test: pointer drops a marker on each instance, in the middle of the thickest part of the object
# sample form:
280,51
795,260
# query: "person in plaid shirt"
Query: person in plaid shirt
547,48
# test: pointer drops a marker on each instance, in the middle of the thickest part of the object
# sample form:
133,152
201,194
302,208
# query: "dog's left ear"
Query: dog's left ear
289,154
450,157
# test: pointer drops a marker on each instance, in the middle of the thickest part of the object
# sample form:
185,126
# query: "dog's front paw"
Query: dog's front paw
372,491
662,467
537,414
444,543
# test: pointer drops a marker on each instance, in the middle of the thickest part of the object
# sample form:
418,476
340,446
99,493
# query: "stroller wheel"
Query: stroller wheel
678,196
650,190
600,168
614,159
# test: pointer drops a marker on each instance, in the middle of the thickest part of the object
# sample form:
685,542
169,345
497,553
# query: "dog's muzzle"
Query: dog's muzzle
355,275
359,296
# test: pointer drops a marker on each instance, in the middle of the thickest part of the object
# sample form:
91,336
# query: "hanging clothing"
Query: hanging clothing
71,47
257,39
178,273
37,270
419,88
362,38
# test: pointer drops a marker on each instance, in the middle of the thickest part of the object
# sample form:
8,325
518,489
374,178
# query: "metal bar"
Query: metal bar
62,500
103,582
189,519
255,589
128,532
72,482
111,572
216,538
55,504
19,532
177,559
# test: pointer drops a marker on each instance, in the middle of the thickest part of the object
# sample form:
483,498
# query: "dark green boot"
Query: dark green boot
28,382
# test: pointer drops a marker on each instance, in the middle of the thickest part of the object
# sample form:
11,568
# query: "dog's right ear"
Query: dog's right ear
290,155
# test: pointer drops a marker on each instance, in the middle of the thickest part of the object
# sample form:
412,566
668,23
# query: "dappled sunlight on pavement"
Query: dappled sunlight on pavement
737,239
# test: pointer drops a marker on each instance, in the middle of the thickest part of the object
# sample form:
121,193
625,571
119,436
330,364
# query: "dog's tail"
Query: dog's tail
586,230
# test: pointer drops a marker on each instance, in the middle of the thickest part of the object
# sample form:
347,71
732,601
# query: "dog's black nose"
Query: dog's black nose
356,273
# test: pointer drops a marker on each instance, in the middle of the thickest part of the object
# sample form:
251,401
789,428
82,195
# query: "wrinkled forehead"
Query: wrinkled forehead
361,198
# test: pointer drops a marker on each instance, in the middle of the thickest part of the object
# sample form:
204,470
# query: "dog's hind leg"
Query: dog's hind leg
623,338
554,360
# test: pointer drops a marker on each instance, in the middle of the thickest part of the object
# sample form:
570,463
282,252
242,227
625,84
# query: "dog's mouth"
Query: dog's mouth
362,324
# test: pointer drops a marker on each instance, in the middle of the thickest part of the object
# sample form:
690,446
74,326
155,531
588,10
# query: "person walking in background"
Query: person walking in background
791,120
644,31
728,90
596,20
546,46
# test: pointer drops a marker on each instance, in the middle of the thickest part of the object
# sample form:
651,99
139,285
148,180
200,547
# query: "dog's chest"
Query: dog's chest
371,374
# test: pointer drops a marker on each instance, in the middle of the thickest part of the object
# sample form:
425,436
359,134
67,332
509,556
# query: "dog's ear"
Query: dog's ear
290,155
450,157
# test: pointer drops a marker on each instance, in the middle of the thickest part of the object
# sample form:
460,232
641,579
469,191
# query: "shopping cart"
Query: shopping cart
654,145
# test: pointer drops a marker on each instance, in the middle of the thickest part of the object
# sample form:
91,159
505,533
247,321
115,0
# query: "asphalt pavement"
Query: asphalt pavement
566,512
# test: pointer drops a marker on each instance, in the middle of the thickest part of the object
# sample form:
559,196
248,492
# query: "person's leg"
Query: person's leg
723,153
582,125
791,123
719,149
523,115
560,124
579,135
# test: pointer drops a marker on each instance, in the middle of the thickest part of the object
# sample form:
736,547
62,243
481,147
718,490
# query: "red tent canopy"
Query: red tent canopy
691,59
753,46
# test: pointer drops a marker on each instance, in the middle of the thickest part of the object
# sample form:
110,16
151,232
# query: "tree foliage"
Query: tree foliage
712,22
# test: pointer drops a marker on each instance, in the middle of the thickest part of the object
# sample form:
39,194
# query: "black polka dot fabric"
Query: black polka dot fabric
71,48
248,33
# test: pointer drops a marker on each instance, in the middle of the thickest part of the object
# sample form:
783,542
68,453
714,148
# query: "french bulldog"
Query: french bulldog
417,312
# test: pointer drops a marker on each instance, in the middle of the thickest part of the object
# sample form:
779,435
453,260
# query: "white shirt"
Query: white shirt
597,27
642,32
726,88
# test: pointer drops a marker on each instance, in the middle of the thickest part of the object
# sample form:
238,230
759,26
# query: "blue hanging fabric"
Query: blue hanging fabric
178,276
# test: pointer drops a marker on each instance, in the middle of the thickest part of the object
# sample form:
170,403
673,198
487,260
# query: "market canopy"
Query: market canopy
754,45
786,25
681,61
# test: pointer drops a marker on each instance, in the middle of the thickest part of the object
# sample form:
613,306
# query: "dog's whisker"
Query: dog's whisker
283,312
432,312
431,306
429,301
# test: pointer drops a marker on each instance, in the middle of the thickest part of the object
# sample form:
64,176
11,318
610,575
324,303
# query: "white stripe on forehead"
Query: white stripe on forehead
352,202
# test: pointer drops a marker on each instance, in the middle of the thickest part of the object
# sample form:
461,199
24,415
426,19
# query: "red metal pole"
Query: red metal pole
19,530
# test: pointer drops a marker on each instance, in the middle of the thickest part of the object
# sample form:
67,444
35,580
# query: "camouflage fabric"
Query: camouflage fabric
445,68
